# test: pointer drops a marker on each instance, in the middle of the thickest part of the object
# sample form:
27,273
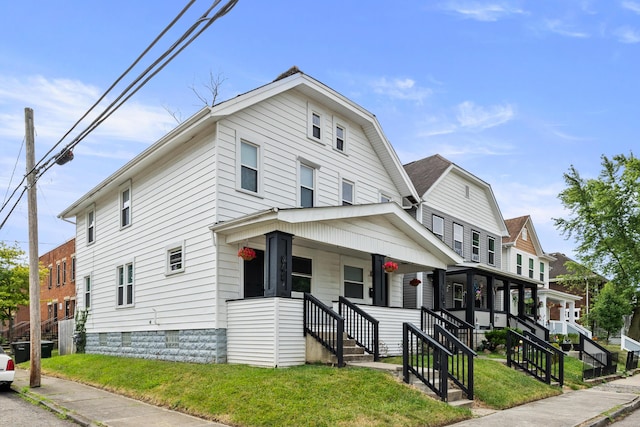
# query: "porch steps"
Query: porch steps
455,396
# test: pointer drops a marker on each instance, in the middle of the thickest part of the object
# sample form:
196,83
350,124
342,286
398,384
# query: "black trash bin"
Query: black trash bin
21,351
45,349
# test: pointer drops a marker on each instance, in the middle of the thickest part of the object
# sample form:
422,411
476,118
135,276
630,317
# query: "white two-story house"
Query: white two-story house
293,171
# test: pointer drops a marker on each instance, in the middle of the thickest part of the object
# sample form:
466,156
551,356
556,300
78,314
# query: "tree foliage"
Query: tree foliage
14,280
609,309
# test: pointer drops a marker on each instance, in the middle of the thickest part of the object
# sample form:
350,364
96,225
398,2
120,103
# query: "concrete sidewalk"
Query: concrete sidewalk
90,406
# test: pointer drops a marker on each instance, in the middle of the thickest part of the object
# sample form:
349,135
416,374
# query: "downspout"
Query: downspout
216,293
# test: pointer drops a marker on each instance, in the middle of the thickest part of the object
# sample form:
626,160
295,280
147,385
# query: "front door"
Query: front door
254,276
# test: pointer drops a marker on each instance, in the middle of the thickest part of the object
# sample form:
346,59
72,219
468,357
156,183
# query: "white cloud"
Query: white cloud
627,35
472,116
485,12
631,5
559,27
401,88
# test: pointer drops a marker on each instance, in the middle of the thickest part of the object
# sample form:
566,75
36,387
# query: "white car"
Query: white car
7,369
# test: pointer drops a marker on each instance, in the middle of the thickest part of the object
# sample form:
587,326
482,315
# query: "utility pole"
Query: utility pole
34,268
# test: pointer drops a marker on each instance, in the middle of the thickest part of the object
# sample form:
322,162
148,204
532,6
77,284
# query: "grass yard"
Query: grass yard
310,395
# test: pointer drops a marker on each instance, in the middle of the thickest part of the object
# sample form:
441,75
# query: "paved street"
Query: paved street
16,412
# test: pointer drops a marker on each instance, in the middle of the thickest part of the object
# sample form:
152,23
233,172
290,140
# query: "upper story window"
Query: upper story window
518,263
347,192
58,274
542,271
307,186
491,250
249,167
530,268
73,268
64,271
384,198
525,234
341,134
175,259
438,226
475,246
125,285
91,226
458,239
315,123
50,277
301,274
125,207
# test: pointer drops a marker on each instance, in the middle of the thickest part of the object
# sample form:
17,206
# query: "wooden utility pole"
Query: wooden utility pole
34,268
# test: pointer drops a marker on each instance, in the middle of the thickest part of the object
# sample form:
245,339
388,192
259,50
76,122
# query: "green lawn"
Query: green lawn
310,395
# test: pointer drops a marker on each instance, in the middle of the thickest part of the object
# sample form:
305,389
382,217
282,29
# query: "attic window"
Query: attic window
524,234
466,191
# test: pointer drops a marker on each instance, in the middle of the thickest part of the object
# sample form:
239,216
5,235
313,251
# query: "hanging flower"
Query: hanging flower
477,291
390,266
414,282
247,254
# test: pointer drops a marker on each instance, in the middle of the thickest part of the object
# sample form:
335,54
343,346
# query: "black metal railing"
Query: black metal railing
526,323
460,364
529,356
430,318
596,360
632,360
466,328
426,359
360,326
557,359
325,325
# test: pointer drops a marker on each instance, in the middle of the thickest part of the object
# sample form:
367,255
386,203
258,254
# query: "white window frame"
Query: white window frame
525,234
491,254
366,284
458,236
169,251
249,139
475,246
90,221
439,232
87,280
344,201
128,281
519,264
337,123
384,198
125,206
532,266
542,276
311,111
314,168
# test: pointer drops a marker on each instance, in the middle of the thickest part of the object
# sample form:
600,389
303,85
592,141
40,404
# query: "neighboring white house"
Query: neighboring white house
293,170
462,211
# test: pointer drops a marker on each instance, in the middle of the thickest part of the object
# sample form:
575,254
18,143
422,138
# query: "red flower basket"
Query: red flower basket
390,266
247,254
415,282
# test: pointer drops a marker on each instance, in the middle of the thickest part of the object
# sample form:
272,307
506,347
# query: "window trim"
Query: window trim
168,251
384,196
338,123
73,268
461,253
50,284
64,271
491,254
249,138
86,294
125,206
344,202
311,111
542,275
519,264
128,280
344,280
302,274
433,226
90,226
475,245
58,274
309,165
531,268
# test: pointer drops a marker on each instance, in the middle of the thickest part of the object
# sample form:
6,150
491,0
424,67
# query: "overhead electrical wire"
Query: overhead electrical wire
178,46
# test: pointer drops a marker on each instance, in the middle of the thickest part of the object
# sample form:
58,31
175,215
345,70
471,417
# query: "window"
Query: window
73,268
467,192
525,234
126,339
458,239
458,295
340,137
307,186
125,285
58,274
301,274
491,250
67,309
91,226
87,292
175,259
475,246
125,207
50,277
438,226
542,271
519,264
530,268
353,282
315,125
249,167
64,271
172,339
347,192
384,198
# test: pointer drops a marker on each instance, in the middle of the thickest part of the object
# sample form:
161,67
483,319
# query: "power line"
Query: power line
13,172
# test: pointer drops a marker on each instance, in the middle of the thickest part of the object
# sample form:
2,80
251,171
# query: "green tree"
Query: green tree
14,282
605,224
609,308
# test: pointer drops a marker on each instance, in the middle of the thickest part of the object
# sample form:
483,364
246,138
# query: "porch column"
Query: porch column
277,264
506,298
379,279
572,311
490,302
438,288
534,296
521,311
470,309
420,289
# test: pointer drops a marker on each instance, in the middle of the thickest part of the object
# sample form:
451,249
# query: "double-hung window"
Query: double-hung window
91,226
340,137
64,271
301,273
542,271
530,268
50,277
125,285
458,238
125,207
73,268
353,282
175,259
315,123
307,186
491,250
249,167
347,192
438,226
519,263
87,292
58,274
475,246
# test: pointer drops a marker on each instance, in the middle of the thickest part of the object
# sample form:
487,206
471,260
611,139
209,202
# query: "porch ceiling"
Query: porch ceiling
383,228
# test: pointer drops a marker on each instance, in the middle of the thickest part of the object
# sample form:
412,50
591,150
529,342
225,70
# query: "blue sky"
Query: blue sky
514,92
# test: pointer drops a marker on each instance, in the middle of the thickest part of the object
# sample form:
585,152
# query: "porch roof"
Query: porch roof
381,228
497,273
558,295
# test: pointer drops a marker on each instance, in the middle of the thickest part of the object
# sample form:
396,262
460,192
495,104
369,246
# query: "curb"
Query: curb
60,410
605,420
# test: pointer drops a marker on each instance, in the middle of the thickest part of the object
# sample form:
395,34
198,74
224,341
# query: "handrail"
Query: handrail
529,356
425,358
453,319
539,330
599,358
460,362
325,325
429,318
557,369
360,326
632,360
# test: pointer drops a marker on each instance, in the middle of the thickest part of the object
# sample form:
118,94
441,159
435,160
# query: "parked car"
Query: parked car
7,369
